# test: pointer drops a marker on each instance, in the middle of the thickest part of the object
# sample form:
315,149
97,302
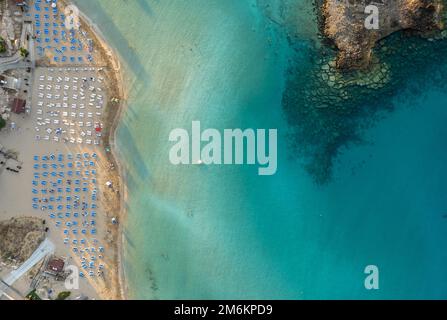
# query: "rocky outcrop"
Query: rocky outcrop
344,24
20,237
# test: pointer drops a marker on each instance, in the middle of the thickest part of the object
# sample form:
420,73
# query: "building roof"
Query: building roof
9,82
56,265
18,106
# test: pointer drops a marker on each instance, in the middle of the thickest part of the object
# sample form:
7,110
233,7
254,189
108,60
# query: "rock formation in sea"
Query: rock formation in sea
333,95
344,24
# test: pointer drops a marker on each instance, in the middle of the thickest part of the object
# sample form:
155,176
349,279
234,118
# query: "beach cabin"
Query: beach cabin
55,266
9,82
18,106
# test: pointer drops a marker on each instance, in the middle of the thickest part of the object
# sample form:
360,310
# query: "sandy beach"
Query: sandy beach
113,117
48,131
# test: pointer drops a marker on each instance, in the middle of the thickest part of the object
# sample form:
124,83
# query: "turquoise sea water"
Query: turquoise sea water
224,232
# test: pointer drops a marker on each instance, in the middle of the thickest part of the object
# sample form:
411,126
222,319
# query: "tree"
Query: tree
2,123
2,45
24,53
33,295
63,295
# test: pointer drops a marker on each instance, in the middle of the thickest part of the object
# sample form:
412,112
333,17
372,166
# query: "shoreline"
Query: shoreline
112,121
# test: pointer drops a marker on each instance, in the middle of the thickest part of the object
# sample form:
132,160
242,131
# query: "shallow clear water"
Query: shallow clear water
224,232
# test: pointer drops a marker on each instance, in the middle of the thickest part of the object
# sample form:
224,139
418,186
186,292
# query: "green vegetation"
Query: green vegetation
33,295
2,123
23,52
63,295
2,45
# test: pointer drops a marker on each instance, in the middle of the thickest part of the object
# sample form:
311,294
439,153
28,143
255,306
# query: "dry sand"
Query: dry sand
15,188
